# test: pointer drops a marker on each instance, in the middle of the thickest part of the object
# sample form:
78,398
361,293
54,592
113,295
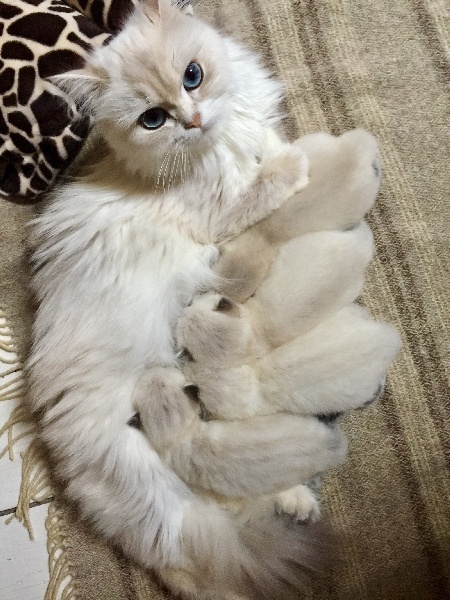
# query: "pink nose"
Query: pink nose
196,122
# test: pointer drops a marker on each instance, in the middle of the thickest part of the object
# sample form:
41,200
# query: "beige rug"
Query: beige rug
384,66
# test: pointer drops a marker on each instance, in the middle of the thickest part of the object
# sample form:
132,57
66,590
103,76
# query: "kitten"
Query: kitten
338,366
299,344
189,156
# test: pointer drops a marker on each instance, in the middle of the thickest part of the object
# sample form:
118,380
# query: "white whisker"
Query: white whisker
169,162
162,166
173,169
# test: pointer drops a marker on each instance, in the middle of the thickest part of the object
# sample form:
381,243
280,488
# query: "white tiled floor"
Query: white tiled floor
23,563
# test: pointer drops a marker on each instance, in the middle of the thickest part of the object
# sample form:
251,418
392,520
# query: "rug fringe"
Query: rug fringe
12,387
12,384
60,586
35,485
18,415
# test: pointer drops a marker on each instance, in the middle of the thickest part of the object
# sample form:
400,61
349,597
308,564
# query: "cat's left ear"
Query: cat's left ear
84,86
153,5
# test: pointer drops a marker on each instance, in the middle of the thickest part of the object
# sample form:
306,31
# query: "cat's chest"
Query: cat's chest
162,282
164,252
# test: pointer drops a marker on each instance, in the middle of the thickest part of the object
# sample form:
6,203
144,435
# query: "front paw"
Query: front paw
289,168
300,503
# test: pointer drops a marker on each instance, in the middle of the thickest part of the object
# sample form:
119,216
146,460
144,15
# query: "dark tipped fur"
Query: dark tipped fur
261,556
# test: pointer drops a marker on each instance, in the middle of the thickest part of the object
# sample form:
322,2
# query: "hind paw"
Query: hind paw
300,503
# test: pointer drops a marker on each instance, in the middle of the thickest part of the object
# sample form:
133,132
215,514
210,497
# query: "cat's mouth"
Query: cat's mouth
197,134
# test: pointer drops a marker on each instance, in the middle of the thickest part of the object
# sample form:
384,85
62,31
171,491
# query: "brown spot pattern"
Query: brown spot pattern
6,80
25,87
44,28
41,38
17,50
58,61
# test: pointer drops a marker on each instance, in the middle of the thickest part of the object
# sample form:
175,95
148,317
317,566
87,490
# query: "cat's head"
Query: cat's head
163,84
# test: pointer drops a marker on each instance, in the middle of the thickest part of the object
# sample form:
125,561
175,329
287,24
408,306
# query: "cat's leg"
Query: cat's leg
165,409
313,276
229,393
248,458
283,172
216,330
344,178
172,414
338,366
257,456
244,262
345,175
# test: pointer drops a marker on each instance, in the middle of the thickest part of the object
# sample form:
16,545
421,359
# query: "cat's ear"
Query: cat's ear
186,7
153,6
84,86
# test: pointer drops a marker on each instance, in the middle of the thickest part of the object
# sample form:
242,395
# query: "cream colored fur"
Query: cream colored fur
121,249
337,366
213,456
251,357
298,344
344,175
312,277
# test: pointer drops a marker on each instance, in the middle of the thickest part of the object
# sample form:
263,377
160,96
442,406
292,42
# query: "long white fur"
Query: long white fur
120,250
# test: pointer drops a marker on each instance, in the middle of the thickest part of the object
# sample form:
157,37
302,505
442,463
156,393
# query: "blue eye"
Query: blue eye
193,76
153,118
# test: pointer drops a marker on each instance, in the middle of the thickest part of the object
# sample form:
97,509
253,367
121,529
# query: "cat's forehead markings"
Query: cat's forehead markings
157,84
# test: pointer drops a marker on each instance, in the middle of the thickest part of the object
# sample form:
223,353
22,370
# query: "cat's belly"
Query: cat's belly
158,303
125,318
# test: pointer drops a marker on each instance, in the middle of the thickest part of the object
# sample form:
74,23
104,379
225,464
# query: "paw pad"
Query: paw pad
191,392
330,418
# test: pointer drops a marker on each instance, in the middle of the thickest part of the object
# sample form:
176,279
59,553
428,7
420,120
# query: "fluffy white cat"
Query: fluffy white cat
188,156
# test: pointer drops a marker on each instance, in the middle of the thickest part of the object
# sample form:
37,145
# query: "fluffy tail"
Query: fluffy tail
251,553
232,542
200,550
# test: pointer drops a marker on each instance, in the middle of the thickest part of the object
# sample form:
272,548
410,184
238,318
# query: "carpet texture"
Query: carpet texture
384,66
